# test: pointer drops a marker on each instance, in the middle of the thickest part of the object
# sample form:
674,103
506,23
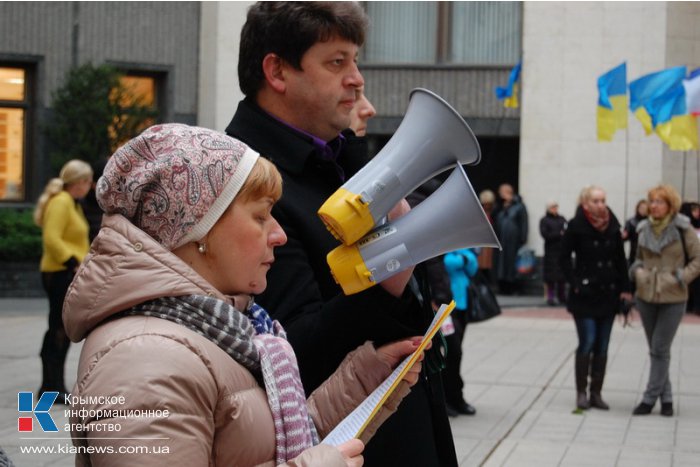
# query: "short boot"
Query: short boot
52,371
581,367
598,365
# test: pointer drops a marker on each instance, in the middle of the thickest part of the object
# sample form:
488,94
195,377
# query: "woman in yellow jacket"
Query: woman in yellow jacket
65,244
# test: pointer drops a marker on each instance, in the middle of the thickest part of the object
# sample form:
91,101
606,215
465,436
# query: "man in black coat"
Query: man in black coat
298,70
552,228
511,224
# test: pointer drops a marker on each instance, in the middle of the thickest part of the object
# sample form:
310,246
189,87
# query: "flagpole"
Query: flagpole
685,153
627,169
697,175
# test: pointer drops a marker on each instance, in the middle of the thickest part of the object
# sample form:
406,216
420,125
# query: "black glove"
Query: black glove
71,263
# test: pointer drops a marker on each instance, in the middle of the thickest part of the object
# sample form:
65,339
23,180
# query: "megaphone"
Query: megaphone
432,138
449,219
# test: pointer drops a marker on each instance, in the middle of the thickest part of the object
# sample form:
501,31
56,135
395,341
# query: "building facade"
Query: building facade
155,43
547,148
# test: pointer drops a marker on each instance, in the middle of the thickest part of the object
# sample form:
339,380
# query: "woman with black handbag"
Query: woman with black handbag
461,266
597,283
667,260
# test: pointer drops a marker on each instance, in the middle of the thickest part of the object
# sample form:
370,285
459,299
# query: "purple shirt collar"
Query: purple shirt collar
326,150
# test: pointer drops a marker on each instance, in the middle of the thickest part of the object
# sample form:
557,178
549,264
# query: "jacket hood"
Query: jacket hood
669,235
125,267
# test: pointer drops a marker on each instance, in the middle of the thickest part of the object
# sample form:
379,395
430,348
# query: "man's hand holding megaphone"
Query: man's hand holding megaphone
396,284
450,219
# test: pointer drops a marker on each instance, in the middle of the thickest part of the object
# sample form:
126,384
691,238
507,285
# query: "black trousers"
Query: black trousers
451,378
56,343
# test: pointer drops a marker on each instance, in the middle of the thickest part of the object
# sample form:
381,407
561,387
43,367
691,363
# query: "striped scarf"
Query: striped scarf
259,344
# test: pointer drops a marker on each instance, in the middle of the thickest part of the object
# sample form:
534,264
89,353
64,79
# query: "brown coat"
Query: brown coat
659,270
217,413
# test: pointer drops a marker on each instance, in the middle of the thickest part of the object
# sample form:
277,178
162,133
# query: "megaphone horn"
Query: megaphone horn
450,219
432,138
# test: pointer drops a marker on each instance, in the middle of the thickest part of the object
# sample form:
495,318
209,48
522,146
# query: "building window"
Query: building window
459,33
142,89
485,33
141,94
402,32
14,105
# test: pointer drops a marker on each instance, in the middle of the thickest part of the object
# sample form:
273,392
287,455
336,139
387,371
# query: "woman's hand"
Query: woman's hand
352,452
392,354
626,296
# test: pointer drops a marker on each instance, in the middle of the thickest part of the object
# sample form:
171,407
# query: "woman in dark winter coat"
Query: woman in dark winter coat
629,233
552,227
691,210
510,223
597,282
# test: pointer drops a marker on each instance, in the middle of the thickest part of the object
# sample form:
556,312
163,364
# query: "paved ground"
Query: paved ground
518,369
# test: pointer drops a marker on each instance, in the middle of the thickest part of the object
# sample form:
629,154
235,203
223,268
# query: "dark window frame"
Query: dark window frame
27,105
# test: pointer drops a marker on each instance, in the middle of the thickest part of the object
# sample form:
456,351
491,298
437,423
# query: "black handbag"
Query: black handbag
482,301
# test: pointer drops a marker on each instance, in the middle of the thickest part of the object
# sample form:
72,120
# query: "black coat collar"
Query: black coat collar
266,135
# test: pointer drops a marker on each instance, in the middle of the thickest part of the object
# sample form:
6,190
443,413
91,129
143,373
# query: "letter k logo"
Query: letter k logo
25,403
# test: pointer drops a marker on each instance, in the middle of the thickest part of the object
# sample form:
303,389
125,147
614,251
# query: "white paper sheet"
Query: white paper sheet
353,425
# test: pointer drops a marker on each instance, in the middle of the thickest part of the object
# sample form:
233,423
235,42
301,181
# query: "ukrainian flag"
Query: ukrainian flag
510,92
612,102
672,118
692,92
645,89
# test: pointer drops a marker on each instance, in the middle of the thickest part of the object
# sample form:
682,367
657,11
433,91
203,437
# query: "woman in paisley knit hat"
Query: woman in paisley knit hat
163,301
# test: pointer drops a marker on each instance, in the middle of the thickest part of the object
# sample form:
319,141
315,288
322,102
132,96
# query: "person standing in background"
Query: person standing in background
510,222
598,281
662,274
691,209
64,233
552,228
629,233
461,266
488,201
362,111
93,212
454,327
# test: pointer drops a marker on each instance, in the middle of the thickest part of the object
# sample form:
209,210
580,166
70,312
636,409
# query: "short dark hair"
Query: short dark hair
289,29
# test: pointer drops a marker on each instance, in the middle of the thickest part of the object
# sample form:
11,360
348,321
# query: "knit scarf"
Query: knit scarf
659,225
600,223
255,341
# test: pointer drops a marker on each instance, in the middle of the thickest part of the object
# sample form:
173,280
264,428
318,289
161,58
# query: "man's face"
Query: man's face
322,94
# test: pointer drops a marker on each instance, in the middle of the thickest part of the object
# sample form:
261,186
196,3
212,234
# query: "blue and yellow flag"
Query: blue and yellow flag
612,102
672,119
510,92
645,89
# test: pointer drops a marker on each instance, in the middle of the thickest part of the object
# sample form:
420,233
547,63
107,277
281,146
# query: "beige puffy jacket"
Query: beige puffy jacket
659,271
217,413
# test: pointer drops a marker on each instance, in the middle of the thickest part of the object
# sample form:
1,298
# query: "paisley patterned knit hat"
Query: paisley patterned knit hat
174,181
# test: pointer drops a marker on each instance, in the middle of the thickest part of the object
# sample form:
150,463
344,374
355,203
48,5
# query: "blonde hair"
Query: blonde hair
264,180
587,193
72,172
668,194
487,196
